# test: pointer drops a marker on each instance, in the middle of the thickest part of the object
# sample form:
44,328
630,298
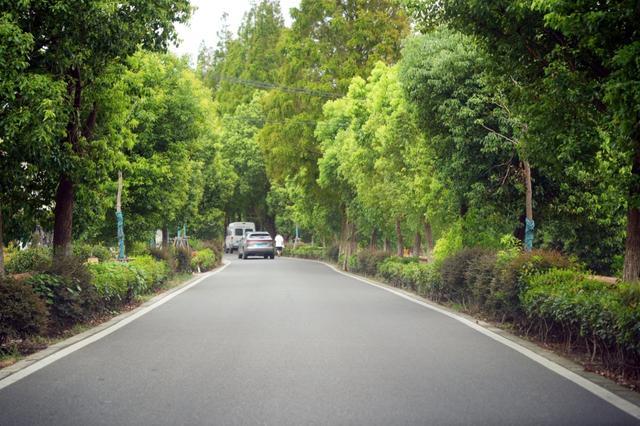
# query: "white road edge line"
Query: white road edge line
613,399
19,375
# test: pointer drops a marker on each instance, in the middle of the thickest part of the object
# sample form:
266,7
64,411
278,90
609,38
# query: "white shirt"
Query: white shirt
279,241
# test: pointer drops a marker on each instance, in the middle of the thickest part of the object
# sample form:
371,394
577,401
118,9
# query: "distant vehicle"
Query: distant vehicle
235,233
256,244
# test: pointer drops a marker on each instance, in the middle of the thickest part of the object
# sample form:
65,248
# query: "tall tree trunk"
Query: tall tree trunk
1,245
343,237
529,223
428,237
386,247
353,238
345,247
63,217
417,244
631,270
165,238
528,185
65,194
399,240
374,240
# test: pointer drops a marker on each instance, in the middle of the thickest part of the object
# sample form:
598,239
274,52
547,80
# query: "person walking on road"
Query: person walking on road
279,244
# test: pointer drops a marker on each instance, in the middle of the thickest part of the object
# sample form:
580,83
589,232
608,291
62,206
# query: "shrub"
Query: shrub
114,281
453,271
138,248
421,277
307,251
84,251
165,256
151,273
64,301
204,259
22,312
479,276
183,259
563,304
503,301
78,277
367,261
120,282
31,259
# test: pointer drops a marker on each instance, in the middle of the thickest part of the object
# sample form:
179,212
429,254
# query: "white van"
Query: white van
235,232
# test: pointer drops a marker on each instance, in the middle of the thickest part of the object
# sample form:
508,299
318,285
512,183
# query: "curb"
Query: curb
7,372
622,398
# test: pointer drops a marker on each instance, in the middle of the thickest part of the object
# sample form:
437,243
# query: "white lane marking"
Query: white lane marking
81,344
613,399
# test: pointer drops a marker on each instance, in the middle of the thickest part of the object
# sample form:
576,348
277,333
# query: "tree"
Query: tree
75,42
590,49
31,120
175,151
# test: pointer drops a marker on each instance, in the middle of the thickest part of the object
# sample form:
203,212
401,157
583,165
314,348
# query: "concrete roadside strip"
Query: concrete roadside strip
41,359
617,395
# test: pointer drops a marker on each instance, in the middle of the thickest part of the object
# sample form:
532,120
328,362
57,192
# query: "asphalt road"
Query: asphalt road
293,342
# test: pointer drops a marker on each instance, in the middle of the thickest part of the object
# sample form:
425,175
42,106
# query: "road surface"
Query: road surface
287,341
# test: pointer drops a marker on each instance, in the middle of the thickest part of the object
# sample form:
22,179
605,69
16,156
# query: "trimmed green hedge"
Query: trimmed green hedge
120,282
565,305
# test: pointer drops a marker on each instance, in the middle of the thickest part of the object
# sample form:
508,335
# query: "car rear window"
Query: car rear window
238,232
259,236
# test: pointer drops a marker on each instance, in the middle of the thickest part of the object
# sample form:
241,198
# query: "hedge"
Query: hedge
307,252
120,282
564,305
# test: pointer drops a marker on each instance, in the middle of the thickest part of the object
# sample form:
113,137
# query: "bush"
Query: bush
84,251
367,261
120,282
453,271
183,259
31,259
22,312
151,273
421,277
563,304
479,276
307,251
64,301
204,260
165,256
114,281
138,248
503,301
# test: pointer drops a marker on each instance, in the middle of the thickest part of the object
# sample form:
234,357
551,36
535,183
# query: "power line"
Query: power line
269,86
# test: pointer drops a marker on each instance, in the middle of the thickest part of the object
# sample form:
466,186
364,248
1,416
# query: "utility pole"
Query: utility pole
120,220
